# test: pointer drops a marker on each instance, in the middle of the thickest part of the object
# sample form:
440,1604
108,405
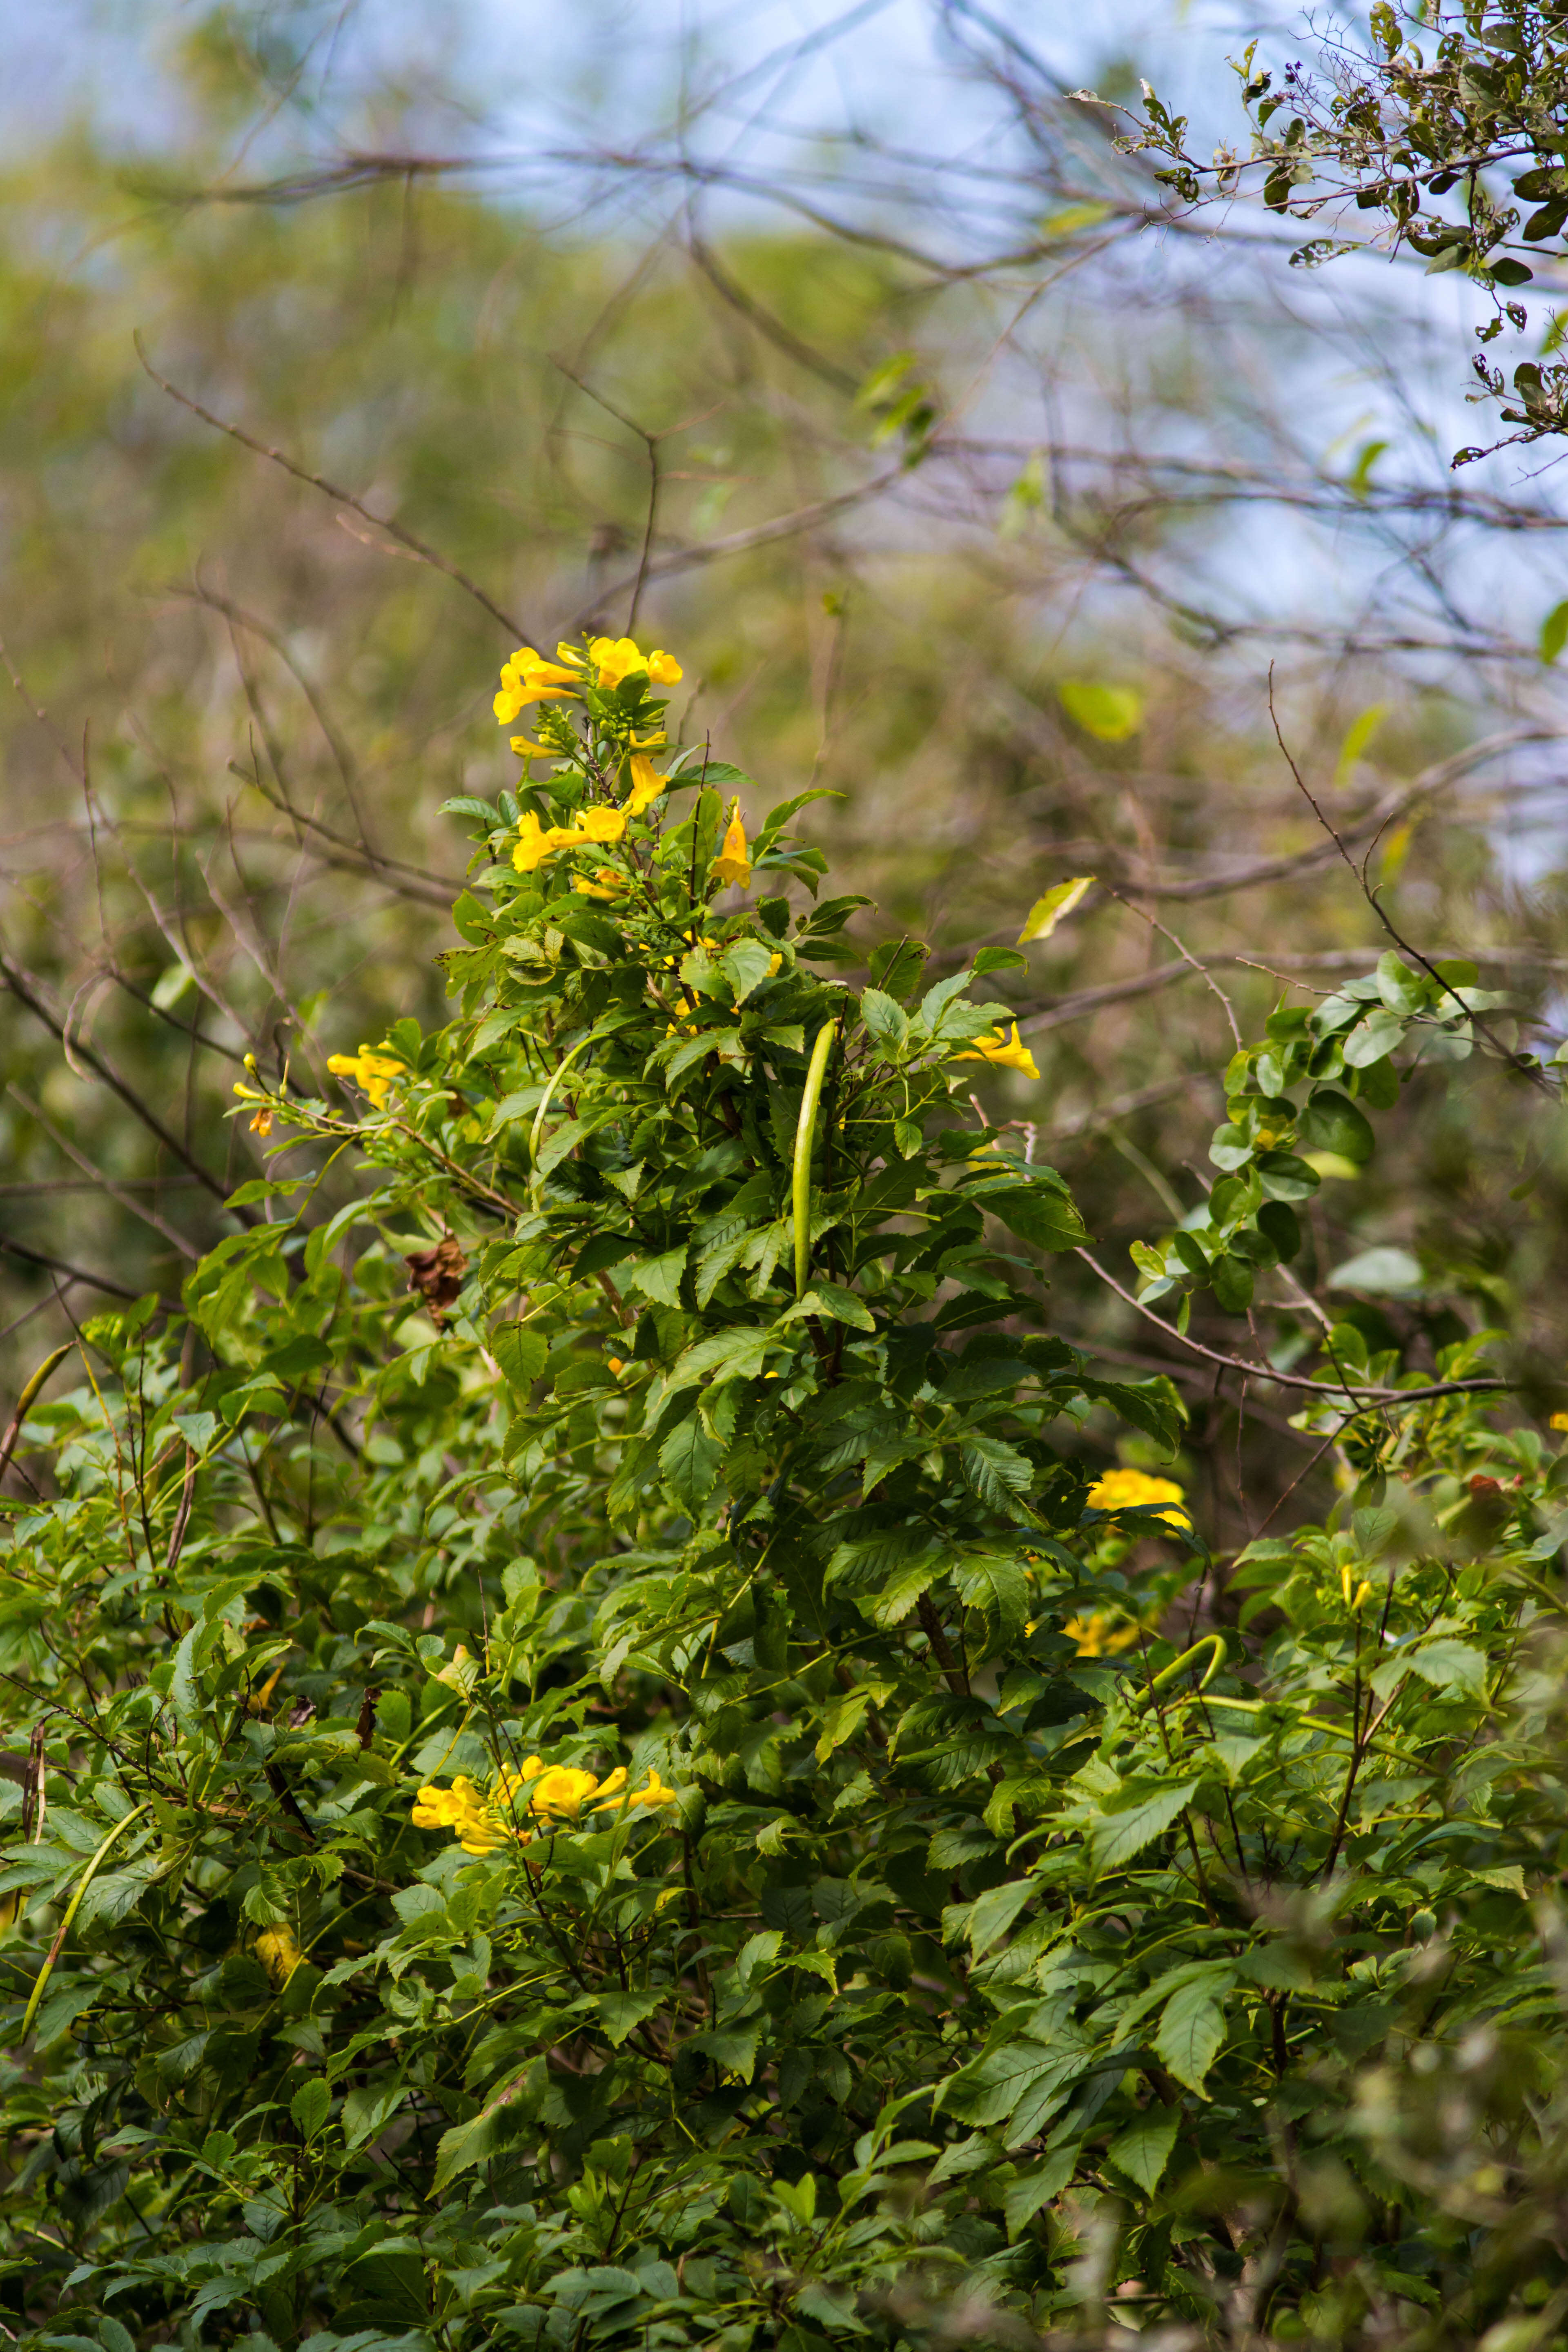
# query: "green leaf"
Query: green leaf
737,1355
1143,1811
690,1460
732,2047
1055,907
521,1351
1043,1212
887,1022
830,1298
621,2012
1373,1038
367,2112
658,1278
1143,2149
893,1603
310,2105
1332,1122
1023,2198
746,965
1553,632
1452,1666
1393,1271
996,1585
994,1471
1109,713
1191,2033
992,1915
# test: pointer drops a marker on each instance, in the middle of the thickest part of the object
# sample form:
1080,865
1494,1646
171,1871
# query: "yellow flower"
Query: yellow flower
1127,1490
523,744
1102,1636
558,1793
620,657
1558,1420
1003,1051
260,1120
646,785
372,1070
606,884
600,824
733,861
279,1954
529,677
527,1799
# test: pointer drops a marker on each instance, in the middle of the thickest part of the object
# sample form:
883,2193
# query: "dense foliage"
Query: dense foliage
667,1788
1446,123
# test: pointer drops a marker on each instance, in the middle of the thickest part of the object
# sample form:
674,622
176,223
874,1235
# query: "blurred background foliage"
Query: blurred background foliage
966,480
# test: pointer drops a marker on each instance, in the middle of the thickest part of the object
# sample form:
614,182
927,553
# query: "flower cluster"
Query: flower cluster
1131,1490
529,1799
370,1068
608,662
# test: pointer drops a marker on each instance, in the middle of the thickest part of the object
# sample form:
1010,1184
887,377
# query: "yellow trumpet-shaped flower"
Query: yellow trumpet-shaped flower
600,824
531,1799
529,677
535,843
372,1070
606,884
1003,1053
1124,1490
733,862
525,745
646,785
621,657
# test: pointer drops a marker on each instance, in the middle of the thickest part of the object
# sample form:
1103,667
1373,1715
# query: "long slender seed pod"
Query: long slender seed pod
72,1908
1214,1644
24,1402
535,1131
804,1136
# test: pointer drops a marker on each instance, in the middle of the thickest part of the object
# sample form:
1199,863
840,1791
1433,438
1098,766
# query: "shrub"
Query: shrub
658,1790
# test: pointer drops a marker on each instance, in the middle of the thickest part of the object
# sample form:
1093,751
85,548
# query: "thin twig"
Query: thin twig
343,497
1288,1379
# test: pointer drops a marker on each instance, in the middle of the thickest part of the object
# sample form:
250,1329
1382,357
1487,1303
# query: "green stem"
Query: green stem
72,1908
804,1136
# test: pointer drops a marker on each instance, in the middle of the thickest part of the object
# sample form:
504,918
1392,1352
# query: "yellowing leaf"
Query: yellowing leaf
1358,735
1055,908
1554,633
1110,712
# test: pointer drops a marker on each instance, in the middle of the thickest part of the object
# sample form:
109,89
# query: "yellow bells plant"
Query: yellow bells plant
747,1441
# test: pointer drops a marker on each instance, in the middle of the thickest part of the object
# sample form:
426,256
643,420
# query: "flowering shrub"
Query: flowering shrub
660,1790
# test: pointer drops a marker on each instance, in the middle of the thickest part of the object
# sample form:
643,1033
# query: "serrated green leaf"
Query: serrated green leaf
1192,2029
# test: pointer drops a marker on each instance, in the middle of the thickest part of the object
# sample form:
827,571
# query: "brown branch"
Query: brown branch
342,497
25,989
1290,1380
